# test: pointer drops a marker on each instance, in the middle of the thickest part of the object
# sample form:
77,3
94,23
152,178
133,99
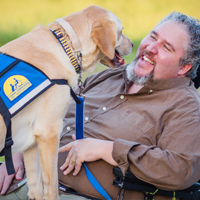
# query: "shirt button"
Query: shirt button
68,128
86,118
150,91
122,97
104,108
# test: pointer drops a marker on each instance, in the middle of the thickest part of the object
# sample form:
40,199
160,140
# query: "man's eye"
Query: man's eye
166,47
153,37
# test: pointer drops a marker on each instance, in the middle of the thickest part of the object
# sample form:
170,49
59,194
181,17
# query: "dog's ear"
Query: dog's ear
104,35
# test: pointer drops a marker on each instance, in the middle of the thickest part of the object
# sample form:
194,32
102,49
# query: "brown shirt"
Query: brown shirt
156,132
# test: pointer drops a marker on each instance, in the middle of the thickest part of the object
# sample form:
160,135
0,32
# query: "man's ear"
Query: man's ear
184,69
104,35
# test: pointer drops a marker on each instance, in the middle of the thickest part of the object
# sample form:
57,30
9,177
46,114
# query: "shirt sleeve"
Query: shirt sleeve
172,164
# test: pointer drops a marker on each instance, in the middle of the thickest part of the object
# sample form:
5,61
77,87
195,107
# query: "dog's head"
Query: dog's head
101,38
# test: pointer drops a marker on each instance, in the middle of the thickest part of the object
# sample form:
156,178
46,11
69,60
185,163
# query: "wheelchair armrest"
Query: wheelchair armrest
131,182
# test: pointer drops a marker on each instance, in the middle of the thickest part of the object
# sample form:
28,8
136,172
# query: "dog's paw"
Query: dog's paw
34,196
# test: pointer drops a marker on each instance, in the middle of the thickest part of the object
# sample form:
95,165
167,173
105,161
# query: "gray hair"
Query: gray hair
192,53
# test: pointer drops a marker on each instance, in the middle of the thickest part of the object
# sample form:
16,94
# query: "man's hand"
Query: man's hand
88,150
5,179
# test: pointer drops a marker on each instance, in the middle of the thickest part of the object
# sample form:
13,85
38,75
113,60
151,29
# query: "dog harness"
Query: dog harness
20,83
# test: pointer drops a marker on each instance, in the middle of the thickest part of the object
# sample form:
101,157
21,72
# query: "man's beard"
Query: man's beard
135,78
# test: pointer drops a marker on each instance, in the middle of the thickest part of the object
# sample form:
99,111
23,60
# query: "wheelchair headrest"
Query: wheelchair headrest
196,80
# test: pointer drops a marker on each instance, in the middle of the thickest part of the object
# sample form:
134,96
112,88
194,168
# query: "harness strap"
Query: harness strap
76,99
59,81
65,82
8,140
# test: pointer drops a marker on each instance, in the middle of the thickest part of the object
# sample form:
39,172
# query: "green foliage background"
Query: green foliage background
138,16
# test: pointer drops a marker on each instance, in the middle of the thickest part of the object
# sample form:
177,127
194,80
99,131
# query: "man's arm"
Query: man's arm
5,179
173,163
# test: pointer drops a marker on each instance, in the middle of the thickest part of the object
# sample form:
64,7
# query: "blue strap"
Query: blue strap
79,135
79,119
95,183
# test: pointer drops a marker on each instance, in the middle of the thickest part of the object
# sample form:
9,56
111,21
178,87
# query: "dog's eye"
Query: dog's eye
119,34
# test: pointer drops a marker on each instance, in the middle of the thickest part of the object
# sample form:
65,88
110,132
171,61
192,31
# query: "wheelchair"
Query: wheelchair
130,182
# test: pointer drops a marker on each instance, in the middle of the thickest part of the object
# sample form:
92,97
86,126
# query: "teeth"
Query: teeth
148,60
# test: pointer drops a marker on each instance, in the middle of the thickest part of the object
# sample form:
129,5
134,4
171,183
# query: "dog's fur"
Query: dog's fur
36,128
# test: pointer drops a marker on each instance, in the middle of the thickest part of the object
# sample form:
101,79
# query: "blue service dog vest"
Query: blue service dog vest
20,83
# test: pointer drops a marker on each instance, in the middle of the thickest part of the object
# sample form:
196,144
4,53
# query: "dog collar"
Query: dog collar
59,35
70,31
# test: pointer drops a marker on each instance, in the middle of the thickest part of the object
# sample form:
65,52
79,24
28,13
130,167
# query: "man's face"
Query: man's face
160,52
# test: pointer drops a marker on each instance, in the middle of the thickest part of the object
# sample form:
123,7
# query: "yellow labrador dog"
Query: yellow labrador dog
97,34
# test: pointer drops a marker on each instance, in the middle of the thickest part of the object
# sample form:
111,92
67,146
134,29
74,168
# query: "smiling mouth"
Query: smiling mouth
117,60
147,60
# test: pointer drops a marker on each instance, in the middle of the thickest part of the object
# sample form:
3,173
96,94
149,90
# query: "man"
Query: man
143,118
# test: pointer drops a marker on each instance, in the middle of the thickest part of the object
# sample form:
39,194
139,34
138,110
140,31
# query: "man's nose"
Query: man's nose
153,48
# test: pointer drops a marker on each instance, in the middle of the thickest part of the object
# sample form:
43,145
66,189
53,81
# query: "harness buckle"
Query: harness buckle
80,85
79,57
79,61
80,82
9,142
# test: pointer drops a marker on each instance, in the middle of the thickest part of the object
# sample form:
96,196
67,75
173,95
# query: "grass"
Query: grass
138,16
